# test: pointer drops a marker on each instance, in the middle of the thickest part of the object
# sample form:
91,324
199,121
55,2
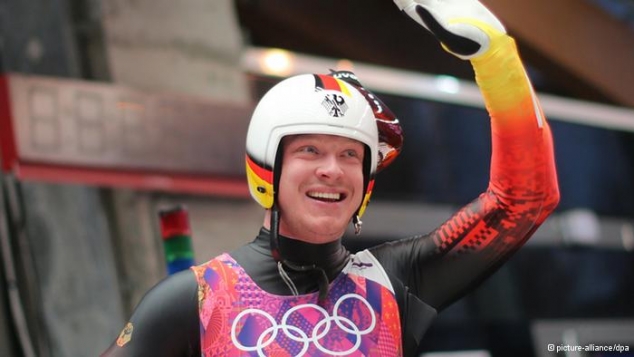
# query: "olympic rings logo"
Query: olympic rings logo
321,329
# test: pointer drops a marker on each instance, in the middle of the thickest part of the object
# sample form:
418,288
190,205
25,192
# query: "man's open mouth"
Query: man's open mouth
326,196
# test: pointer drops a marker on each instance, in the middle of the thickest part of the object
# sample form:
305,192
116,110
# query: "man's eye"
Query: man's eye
308,149
351,153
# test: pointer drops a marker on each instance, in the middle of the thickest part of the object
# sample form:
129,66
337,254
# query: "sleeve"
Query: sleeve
165,323
444,265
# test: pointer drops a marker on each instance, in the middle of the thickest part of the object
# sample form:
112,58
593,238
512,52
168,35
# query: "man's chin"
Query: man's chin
315,228
326,229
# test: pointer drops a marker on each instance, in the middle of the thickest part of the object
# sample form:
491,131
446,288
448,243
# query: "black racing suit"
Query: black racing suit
428,272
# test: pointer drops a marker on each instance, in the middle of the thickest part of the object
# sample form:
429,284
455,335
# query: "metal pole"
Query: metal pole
13,293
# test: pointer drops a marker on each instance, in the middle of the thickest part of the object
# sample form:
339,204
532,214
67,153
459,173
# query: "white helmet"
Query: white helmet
313,104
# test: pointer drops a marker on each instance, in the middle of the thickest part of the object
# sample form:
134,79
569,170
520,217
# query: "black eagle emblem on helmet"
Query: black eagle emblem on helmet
335,105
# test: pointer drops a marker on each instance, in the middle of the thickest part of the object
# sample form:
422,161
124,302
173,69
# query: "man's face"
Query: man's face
321,186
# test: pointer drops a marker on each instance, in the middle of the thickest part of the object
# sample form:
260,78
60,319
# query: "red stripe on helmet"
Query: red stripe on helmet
260,171
327,82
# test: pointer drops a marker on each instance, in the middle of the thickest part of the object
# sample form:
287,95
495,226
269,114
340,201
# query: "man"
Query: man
314,145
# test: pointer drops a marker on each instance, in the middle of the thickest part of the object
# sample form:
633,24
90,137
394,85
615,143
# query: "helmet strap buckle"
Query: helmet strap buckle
356,221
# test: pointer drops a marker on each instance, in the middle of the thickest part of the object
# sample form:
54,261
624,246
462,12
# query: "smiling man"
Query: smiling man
314,146
323,183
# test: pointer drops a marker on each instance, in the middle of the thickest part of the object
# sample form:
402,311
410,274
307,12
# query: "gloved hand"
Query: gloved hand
464,27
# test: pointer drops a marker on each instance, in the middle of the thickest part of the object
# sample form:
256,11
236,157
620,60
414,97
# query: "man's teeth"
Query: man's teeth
325,196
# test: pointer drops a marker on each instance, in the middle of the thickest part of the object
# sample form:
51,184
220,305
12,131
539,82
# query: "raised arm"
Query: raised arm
522,191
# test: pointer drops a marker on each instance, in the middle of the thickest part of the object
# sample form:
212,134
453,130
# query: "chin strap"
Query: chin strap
356,221
275,229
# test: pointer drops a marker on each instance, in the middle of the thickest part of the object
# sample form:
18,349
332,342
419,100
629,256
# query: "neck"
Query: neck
304,253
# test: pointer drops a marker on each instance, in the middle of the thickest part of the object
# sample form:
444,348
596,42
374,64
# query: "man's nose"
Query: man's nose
330,167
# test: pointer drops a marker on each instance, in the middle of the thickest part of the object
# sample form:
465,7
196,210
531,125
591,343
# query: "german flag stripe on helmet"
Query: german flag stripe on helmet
330,83
263,173
366,198
260,182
